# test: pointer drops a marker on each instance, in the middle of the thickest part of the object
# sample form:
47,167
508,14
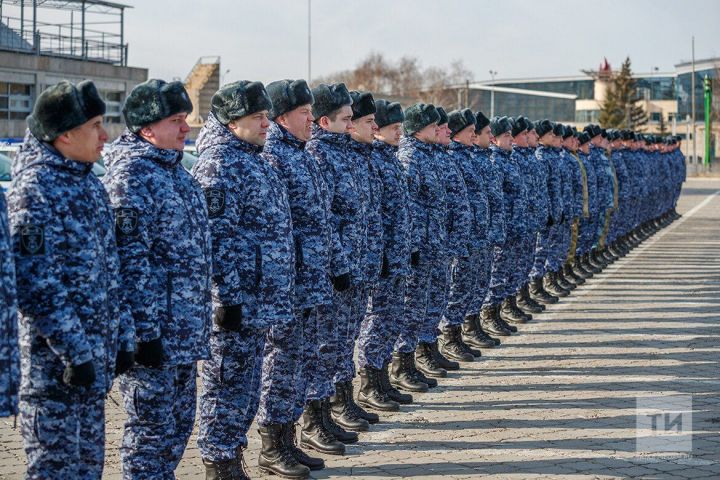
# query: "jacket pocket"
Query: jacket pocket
258,266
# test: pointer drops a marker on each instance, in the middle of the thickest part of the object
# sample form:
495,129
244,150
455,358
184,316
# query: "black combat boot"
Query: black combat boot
570,275
371,394
552,287
402,373
451,345
441,359
473,335
290,439
510,313
589,265
490,321
597,260
343,414
338,432
538,292
608,255
426,363
392,392
564,282
526,303
371,417
315,434
233,469
275,457
579,270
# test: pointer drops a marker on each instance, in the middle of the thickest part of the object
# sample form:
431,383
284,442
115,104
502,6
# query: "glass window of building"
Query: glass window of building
15,101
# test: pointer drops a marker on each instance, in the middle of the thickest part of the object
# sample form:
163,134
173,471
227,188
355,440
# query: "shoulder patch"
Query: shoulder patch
32,239
215,198
126,221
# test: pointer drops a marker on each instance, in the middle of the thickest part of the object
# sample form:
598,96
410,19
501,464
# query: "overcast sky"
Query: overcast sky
267,40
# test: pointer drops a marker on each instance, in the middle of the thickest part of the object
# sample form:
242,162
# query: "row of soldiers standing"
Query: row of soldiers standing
315,223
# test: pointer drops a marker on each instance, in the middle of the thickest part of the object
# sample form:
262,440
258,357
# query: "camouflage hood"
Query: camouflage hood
130,145
33,152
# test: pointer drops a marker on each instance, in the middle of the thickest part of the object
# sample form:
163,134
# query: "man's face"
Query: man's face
567,142
444,134
298,122
504,141
168,133
597,140
585,148
83,143
364,129
251,128
341,121
532,139
390,134
521,139
466,136
482,138
429,134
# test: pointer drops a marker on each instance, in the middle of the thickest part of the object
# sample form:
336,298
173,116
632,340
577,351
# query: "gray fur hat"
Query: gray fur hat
62,107
287,95
459,120
239,99
154,100
419,116
500,125
329,98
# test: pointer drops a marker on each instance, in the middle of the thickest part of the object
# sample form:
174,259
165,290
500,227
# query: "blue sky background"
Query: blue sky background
267,40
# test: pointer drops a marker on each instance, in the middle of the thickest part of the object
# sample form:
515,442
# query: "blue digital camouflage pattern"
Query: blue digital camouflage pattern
347,178
9,350
467,275
253,267
165,251
384,316
63,233
547,156
428,213
160,406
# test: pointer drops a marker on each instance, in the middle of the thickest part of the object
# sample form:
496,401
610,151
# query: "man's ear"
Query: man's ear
324,121
147,132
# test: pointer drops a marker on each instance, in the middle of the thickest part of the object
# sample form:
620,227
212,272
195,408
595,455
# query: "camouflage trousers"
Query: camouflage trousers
468,276
503,270
382,322
437,301
423,299
312,355
525,260
560,236
160,405
543,246
587,235
350,312
230,392
64,436
281,370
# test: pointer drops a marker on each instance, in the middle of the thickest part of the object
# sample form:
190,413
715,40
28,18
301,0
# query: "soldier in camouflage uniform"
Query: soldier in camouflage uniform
76,333
164,240
428,213
347,179
318,258
253,281
468,275
458,225
9,351
383,320
516,222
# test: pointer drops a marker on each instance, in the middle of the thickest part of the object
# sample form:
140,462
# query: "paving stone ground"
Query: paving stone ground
558,400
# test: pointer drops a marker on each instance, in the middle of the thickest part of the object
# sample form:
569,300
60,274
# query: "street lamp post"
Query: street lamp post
492,93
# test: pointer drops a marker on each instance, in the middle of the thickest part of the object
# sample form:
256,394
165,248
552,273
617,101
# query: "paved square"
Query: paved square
558,400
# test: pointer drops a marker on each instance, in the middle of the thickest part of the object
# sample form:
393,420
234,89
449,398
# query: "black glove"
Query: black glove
415,258
550,221
229,318
82,375
341,282
385,269
124,361
150,354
